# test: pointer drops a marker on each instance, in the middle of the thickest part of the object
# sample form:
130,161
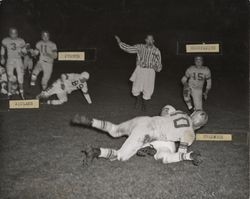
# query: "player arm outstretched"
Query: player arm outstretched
86,94
127,48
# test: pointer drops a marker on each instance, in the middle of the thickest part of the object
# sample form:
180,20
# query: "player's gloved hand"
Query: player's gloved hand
117,39
81,120
196,158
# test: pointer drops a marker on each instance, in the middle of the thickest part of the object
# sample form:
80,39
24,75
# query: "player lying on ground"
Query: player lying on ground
171,126
66,85
193,81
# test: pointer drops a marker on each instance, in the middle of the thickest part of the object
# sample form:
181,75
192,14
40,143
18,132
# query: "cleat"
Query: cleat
196,158
148,150
90,153
81,120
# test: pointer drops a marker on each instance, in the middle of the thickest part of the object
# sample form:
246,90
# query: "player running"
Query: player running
65,85
14,47
47,51
193,81
172,126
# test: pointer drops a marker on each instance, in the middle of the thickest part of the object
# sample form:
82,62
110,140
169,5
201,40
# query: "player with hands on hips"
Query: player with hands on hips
193,82
66,85
170,127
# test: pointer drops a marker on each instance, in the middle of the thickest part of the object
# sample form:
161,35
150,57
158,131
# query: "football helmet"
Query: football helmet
166,110
199,119
85,75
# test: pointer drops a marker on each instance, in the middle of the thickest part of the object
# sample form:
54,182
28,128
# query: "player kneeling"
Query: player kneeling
66,85
170,127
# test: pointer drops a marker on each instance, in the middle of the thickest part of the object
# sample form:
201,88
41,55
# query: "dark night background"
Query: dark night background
40,152
92,23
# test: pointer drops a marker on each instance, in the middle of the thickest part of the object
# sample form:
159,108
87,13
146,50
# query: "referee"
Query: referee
147,63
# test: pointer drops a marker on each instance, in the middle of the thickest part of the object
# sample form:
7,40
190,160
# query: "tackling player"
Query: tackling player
47,51
172,126
193,81
14,47
66,85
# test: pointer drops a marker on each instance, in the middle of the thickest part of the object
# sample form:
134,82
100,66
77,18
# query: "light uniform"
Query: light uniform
4,81
14,58
142,131
148,61
64,86
196,80
45,62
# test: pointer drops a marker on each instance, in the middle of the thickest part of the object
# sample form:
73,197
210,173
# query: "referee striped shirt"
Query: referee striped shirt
147,57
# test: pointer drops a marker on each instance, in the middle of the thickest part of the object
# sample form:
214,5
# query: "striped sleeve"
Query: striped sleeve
159,64
129,49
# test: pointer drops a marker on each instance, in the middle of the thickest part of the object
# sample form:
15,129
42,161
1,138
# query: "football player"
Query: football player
4,83
66,85
193,82
172,126
14,48
47,52
28,60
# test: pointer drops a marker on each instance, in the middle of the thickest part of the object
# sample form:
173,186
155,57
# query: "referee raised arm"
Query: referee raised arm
148,62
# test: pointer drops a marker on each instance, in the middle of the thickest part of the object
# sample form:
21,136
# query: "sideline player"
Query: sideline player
171,126
193,81
4,83
148,62
14,47
28,60
47,51
66,85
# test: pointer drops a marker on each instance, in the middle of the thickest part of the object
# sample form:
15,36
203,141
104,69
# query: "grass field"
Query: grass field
40,152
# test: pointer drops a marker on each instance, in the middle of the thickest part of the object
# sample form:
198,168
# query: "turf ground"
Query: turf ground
40,151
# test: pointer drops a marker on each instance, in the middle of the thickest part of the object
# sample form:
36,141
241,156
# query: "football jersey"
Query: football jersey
197,76
46,48
13,47
74,81
174,127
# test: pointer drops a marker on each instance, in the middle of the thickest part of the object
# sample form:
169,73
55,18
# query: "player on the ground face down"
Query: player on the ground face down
172,126
14,47
66,85
148,62
47,51
193,81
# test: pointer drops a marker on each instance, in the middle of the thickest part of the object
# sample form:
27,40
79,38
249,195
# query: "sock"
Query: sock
103,125
33,80
110,154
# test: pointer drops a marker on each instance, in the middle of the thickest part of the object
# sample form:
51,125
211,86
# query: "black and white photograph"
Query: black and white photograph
124,99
